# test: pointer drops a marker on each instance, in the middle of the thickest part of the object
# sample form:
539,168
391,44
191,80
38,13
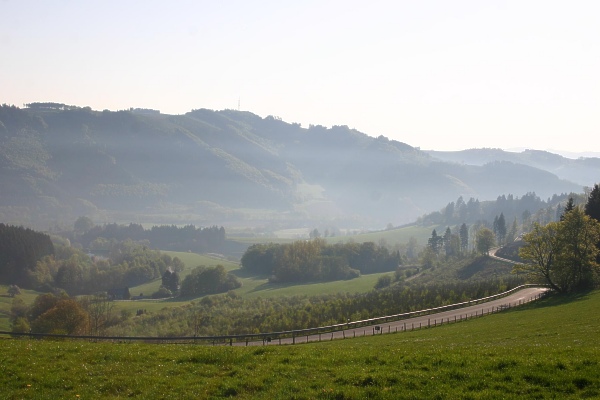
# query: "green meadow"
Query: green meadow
252,286
549,349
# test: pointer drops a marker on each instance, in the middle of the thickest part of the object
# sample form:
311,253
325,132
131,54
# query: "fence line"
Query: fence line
293,334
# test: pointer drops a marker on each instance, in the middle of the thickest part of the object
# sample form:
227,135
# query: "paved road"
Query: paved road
492,253
515,299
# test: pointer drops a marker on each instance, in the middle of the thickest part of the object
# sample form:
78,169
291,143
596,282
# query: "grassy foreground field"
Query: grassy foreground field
545,350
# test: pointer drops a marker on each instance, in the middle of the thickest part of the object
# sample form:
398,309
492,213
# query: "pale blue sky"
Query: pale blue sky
442,75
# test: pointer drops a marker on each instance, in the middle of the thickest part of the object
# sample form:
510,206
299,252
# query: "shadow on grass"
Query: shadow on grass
483,265
241,273
268,286
553,300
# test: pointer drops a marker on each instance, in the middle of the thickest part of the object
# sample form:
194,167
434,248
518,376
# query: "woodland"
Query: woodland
78,290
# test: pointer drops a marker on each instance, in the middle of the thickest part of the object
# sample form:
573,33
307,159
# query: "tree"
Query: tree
83,224
21,325
568,207
501,228
592,206
435,242
13,290
592,209
411,248
162,293
208,280
464,237
18,310
451,243
428,257
70,276
99,308
383,281
170,280
539,250
512,233
446,240
576,264
485,240
563,253
43,303
66,317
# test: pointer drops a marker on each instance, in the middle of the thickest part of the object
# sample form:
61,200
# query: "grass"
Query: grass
545,350
191,260
254,285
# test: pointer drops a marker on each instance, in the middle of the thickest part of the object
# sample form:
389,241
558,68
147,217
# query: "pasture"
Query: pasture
548,349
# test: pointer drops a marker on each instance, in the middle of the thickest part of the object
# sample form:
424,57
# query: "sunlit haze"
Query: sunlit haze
443,75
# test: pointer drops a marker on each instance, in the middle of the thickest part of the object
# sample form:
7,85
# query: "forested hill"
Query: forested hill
208,167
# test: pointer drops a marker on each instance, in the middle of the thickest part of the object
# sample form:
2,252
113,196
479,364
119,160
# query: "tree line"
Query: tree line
315,260
165,237
474,211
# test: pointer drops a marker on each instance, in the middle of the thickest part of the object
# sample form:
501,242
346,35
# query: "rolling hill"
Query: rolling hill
230,168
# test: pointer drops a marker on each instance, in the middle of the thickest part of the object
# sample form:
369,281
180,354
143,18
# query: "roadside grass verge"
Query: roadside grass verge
547,349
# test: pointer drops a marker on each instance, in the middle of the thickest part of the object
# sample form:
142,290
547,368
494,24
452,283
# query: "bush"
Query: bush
203,280
162,293
383,282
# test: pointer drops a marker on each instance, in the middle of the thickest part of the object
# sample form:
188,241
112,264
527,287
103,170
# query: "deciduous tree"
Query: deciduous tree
563,254
66,317
485,240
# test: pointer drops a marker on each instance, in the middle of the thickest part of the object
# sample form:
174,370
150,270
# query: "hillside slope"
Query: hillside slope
584,171
227,167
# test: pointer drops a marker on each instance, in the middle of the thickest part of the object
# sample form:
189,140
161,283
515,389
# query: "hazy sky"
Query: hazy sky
442,75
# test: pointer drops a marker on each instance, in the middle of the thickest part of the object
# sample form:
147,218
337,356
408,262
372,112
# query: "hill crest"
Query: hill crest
230,168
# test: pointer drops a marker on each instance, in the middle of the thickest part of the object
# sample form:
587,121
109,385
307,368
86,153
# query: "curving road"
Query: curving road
515,299
492,253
